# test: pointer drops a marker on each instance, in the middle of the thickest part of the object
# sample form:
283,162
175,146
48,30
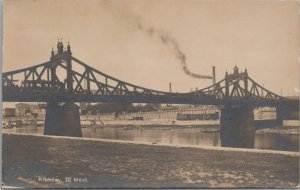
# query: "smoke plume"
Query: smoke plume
172,43
125,13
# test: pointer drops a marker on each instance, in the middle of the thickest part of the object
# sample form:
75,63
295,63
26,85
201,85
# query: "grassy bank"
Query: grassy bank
28,160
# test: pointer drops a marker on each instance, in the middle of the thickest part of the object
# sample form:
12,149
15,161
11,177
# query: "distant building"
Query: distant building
23,109
9,112
83,105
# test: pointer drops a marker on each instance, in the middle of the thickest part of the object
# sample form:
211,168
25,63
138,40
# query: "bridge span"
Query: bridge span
64,80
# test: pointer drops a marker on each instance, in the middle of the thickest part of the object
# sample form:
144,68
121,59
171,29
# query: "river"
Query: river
203,136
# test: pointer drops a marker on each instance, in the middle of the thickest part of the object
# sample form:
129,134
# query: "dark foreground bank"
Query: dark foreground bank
43,162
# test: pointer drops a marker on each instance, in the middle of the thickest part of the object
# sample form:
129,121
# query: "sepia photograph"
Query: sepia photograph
159,94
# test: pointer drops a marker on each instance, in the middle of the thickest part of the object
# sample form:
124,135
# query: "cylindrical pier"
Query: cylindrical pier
53,120
237,126
62,120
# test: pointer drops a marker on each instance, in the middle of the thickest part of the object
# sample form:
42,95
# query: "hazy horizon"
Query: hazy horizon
115,37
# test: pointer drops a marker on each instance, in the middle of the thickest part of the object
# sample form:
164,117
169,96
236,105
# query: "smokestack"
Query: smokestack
170,87
214,74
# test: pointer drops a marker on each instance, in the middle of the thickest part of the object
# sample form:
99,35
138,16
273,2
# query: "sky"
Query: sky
125,39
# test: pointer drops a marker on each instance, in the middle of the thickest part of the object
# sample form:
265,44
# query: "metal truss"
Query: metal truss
43,83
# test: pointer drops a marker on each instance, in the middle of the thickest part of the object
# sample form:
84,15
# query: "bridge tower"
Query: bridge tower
237,125
62,118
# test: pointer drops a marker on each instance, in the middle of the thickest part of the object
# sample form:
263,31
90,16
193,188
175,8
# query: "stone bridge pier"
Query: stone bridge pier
62,120
237,126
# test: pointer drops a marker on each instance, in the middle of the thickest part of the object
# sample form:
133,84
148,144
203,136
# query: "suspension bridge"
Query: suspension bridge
65,80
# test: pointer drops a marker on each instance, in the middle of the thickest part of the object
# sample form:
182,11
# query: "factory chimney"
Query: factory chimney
214,74
170,87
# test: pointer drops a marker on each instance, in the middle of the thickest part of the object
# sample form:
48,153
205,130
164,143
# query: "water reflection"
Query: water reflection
176,136
180,136
289,142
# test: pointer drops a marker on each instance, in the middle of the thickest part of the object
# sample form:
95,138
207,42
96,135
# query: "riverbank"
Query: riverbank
44,161
152,122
